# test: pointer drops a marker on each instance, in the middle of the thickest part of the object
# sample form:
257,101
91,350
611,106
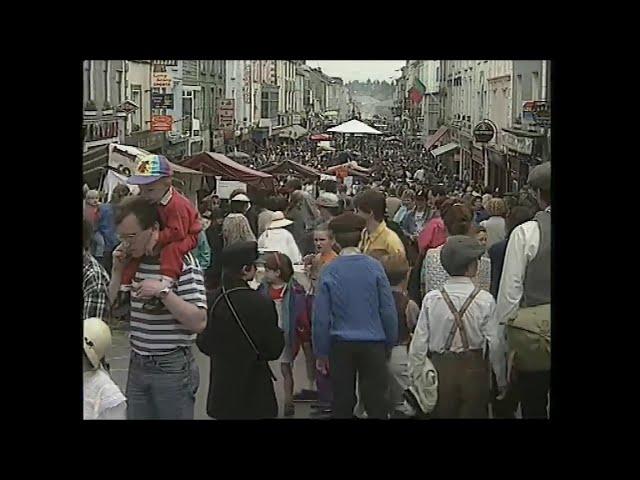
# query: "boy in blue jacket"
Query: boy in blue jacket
355,323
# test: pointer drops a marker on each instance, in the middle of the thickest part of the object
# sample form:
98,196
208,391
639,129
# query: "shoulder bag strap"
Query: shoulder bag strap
225,295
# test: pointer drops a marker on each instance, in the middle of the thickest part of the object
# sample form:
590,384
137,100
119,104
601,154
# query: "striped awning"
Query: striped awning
435,137
444,149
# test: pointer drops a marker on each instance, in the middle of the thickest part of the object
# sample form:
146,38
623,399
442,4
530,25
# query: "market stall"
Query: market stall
349,169
121,164
225,169
354,128
293,132
295,169
320,137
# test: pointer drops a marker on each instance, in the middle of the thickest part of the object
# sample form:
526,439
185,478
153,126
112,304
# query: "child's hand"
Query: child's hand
120,258
322,365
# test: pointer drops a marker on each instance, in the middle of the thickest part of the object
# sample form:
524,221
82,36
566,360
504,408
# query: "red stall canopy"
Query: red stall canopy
220,165
320,137
293,168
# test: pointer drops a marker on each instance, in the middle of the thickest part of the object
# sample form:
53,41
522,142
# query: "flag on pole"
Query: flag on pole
417,91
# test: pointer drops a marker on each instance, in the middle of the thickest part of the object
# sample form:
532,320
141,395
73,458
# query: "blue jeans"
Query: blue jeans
162,387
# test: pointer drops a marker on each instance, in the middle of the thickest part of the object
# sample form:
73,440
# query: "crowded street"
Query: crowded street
316,239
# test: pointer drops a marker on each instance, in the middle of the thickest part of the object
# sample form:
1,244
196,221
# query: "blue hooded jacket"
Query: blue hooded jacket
294,301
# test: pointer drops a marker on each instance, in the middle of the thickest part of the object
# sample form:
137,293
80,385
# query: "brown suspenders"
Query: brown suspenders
458,324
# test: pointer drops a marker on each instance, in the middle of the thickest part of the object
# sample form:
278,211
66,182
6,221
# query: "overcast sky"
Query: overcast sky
359,69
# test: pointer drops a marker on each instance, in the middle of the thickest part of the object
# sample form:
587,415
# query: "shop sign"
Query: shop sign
518,144
161,80
226,114
146,140
161,123
246,87
218,138
484,132
162,100
537,111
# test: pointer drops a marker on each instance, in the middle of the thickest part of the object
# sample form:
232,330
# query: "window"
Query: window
107,95
518,93
205,108
265,105
187,111
535,86
136,96
119,84
88,83
197,105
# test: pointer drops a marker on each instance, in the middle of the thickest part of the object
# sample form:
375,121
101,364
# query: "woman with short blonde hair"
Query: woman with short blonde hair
495,224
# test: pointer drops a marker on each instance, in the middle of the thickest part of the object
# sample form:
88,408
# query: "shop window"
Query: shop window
136,97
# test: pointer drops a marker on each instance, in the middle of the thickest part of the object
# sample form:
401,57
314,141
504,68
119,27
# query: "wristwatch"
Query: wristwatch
163,293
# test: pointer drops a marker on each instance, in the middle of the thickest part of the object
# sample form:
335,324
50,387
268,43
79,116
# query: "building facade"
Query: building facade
203,90
104,91
460,94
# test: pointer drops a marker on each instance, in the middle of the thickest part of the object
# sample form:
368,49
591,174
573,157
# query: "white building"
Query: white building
234,88
286,82
138,90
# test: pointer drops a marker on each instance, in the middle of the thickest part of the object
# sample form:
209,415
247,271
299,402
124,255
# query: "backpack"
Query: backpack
529,337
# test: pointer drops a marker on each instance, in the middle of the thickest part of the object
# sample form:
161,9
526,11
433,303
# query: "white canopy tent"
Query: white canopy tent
354,126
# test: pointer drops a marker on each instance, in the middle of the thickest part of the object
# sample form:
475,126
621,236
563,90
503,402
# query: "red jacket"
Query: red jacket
433,235
179,218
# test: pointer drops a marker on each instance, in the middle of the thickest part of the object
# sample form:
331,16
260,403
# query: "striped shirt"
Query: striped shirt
158,332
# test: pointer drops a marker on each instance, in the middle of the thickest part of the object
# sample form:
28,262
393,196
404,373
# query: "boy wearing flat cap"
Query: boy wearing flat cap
453,327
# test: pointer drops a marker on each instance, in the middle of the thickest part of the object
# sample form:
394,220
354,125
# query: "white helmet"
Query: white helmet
97,340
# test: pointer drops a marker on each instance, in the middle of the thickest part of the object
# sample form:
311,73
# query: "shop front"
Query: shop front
497,170
176,148
97,134
520,157
466,159
150,141
477,166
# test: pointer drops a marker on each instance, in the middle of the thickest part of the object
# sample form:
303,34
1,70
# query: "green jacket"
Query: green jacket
202,251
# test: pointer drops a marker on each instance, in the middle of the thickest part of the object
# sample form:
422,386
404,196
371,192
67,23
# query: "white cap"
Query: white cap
240,197
97,340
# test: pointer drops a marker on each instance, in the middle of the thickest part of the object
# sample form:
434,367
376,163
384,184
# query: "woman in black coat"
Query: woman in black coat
240,383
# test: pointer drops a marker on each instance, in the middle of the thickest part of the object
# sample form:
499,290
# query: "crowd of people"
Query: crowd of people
412,293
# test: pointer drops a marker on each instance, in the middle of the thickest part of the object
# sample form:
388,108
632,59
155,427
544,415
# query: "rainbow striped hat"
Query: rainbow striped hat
149,169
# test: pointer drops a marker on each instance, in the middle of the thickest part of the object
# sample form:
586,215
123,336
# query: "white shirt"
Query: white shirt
436,320
282,241
103,400
522,247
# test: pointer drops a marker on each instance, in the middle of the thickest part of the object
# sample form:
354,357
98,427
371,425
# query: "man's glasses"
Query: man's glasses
130,237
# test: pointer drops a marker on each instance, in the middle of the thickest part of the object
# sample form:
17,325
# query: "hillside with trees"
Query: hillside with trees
376,89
